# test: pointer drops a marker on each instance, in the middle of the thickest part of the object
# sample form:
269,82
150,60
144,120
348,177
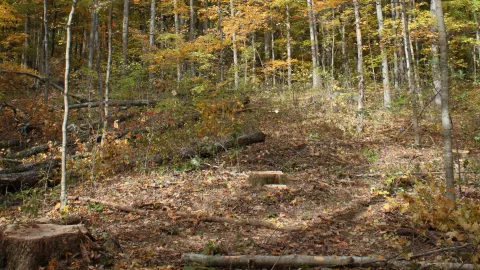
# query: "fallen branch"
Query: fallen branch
40,78
31,151
251,261
25,176
113,103
211,149
9,143
198,216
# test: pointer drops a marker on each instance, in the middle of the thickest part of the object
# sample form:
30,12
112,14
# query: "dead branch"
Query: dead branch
312,261
198,216
42,79
114,103
31,151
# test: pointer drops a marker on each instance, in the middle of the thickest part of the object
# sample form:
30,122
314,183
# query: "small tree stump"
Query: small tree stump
34,246
268,178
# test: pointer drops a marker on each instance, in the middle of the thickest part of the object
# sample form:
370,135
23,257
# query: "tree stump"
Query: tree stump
268,178
34,246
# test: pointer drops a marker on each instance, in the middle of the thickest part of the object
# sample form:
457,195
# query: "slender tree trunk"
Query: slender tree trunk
272,40
395,55
266,42
311,23
45,43
289,49
220,33
26,49
346,70
437,84
446,122
177,32
54,30
151,43
98,67
91,48
254,59
356,6
234,48
126,10
192,34
410,77
63,193
107,77
332,55
386,80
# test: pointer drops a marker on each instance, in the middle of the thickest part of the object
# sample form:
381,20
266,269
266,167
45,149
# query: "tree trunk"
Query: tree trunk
109,64
91,48
410,77
289,49
177,33
234,48
220,33
359,67
126,10
151,41
311,23
437,84
98,68
45,43
63,193
446,122
385,76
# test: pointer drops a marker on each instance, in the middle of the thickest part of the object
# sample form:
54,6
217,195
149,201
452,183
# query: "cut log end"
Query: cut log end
34,246
268,178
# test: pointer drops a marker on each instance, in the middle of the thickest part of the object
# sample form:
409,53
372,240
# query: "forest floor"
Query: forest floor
337,193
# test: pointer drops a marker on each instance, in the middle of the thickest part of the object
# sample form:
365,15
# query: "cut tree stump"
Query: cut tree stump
268,178
34,246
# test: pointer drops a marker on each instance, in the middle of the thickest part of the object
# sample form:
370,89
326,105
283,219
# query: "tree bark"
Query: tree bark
359,67
446,120
177,32
289,49
126,10
253,261
45,43
109,64
63,193
385,75
410,77
234,48
91,48
151,40
437,84
311,23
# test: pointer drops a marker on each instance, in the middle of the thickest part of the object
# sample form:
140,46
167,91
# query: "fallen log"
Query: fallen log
211,150
114,103
31,151
199,216
43,79
9,143
34,246
251,261
25,176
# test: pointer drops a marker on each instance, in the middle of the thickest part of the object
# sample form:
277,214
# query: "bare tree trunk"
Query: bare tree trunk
151,42
234,48
437,84
446,122
289,49
395,55
346,69
63,193
26,49
410,77
266,42
220,33
126,10
272,40
109,64
192,34
332,55
98,66
91,48
385,76
177,32
356,6
311,23
45,43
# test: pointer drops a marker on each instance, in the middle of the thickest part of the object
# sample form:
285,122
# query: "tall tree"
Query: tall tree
63,193
358,31
126,10
289,48
446,121
91,47
151,40
313,46
234,48
410,76
45,43
109,65
437,84
385,75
